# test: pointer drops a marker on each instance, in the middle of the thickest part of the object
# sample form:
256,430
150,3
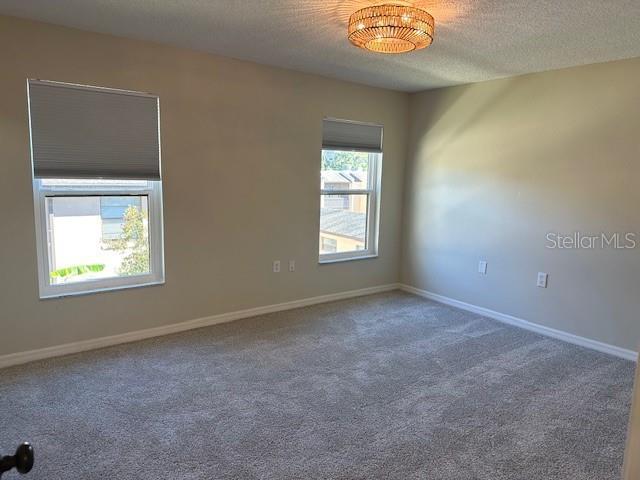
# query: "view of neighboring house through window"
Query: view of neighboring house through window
97,188
349,196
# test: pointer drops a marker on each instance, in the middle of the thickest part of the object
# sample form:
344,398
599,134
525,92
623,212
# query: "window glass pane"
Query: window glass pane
97,237
343,223
344,170
328,245
114,207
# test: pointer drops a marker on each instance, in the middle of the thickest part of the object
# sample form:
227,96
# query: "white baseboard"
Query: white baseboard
518,322
82,346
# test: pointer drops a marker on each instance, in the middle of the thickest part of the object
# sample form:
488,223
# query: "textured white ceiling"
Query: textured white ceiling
475,40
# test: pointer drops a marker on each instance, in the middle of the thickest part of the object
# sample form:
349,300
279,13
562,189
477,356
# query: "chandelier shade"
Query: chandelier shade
391,28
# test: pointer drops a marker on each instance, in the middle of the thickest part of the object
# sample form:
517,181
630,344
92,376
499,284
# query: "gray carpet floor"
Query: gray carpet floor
388,386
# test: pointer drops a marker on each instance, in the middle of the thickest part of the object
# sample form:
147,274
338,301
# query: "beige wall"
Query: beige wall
493,167
225,123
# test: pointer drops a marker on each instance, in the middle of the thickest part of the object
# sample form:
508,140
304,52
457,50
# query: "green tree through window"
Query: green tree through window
341,160
133,243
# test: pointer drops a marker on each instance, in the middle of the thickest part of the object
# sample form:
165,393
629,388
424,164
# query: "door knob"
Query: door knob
22,461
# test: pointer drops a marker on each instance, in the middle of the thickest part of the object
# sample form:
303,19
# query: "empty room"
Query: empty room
320,239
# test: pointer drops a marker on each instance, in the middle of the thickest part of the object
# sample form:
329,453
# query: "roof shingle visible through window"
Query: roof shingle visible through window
344,223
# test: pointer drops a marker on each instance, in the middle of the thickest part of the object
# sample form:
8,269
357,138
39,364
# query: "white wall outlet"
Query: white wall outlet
482,267
276,266
292,265
542,280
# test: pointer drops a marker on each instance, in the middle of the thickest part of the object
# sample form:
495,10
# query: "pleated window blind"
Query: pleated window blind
91,132
354,136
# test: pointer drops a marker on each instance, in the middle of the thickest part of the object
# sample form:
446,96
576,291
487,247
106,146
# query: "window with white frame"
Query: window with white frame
97,188
349,190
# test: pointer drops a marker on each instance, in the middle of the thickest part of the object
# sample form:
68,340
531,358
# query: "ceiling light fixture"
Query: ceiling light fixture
391,28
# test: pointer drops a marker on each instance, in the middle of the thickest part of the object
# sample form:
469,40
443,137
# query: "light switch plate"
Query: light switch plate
542,279
482,267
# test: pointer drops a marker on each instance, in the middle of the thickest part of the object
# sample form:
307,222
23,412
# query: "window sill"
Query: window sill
90,291
324,261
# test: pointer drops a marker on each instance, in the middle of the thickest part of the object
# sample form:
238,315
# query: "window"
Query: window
98,234
349,186
98,215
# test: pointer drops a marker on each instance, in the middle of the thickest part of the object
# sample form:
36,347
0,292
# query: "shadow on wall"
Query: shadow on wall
459,138
493,167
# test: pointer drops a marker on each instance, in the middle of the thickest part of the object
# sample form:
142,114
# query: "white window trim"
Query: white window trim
156,240
374,182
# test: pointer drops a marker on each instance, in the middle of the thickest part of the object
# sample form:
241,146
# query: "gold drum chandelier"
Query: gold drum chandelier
391,28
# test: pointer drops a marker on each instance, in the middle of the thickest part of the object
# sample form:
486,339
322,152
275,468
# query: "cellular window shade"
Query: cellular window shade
345,135
86,132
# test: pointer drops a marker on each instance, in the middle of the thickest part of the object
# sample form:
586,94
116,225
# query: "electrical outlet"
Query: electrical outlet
482,267
292,265
276,266
542,279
